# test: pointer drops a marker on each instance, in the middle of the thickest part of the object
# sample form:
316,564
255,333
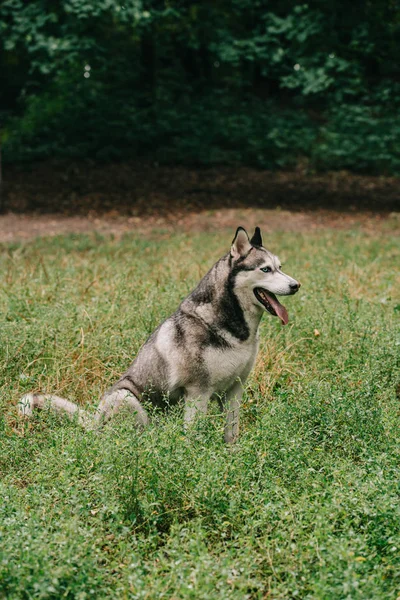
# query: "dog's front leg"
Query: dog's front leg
233,398
195,401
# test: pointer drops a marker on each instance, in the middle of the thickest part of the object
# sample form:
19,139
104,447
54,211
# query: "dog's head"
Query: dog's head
258,275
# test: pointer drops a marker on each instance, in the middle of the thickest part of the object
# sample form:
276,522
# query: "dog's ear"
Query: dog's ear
256,240
241,243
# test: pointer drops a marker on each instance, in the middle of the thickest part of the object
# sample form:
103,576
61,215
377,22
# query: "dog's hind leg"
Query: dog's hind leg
114,401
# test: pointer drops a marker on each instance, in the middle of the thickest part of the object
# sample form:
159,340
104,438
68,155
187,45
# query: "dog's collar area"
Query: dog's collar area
271,303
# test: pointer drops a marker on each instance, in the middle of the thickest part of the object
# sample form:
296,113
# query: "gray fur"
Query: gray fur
205,350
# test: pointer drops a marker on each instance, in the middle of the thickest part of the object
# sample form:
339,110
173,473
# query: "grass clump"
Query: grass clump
305,506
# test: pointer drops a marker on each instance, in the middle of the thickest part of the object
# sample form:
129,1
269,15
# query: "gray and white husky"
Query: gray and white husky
205,350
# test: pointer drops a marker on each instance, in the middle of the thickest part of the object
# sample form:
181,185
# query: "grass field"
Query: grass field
306,505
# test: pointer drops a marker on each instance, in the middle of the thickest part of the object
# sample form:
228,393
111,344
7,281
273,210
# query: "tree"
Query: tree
239,81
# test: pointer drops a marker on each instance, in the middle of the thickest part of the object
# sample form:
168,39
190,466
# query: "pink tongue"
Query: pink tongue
279,309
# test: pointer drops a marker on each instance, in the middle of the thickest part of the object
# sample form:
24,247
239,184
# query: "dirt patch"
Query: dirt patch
60,197
144,190
19,227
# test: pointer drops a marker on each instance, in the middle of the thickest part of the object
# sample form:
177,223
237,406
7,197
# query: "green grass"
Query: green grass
305,506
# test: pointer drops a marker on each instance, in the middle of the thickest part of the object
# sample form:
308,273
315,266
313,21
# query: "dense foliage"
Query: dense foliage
251,81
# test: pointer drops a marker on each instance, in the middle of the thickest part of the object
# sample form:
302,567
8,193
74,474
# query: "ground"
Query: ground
55,198
14,227
306,505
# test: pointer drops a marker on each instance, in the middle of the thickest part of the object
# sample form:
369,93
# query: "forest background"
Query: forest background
270,85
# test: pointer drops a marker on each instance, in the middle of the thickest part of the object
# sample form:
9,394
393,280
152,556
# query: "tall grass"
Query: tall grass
306,505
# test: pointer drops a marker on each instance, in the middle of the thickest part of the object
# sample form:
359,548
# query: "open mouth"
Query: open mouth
272,304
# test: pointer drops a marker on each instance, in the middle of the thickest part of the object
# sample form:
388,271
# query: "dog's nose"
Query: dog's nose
295,286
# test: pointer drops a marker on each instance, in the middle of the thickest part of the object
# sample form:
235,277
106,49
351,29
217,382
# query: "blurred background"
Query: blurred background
134,106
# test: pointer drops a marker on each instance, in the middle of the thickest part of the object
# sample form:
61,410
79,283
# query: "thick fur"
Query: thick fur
205,350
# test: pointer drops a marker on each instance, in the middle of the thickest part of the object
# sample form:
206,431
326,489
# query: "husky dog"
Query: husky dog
205,350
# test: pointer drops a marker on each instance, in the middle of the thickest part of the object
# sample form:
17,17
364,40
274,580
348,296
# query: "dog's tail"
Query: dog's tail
109,405
30,402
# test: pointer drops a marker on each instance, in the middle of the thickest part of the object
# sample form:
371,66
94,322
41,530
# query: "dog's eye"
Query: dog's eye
266,269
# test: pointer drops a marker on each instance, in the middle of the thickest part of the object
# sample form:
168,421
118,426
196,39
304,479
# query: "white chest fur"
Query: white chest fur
225,366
